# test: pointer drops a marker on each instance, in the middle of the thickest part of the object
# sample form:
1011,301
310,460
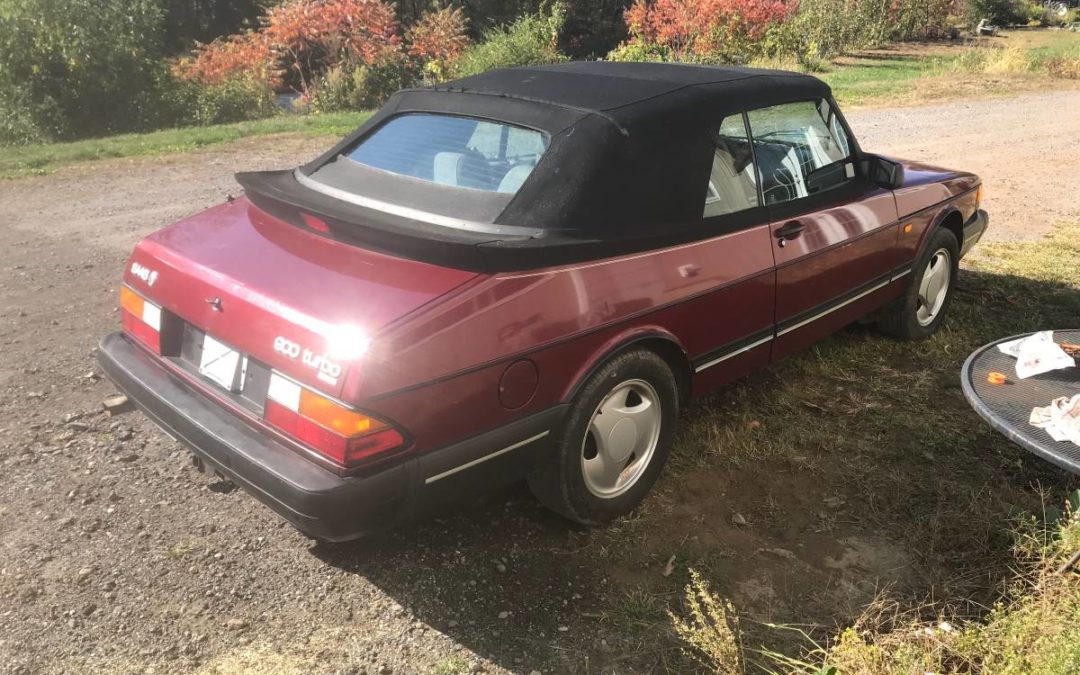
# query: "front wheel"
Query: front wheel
615,440
919,312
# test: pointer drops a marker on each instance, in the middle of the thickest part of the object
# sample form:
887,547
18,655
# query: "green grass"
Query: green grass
912,74
452,665
860,80
45,158
883,424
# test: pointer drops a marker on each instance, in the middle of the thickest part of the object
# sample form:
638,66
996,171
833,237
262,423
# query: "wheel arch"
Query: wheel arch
657,340
950,219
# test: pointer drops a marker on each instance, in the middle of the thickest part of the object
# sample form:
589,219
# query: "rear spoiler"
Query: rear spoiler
281,195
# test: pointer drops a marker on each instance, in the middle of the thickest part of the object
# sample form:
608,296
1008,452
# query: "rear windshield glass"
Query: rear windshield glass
455,151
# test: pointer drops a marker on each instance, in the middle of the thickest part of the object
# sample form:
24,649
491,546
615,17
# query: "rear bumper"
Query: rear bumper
973,230
316,501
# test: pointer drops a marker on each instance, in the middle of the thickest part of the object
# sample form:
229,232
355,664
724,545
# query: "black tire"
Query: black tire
560,485
900,319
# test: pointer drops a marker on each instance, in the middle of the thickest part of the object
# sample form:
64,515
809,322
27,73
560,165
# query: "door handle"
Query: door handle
789,230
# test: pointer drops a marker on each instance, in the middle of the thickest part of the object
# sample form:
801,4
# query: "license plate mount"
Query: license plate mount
221,364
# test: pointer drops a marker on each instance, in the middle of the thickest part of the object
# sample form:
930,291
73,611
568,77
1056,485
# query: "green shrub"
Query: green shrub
84,66
640,51
235,100
359,87
17,125
531,40
999,12
822,29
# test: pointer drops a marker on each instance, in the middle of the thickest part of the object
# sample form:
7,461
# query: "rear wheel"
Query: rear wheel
615,441
919,312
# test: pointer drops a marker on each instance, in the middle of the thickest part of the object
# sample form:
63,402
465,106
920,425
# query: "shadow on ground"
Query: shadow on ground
853,472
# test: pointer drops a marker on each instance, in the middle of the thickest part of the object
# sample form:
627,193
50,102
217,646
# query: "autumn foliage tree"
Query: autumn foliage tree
696,29
808,31
303,42
438,39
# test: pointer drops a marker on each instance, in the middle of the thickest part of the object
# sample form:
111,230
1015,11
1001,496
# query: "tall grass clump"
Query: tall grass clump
711,631
1015,60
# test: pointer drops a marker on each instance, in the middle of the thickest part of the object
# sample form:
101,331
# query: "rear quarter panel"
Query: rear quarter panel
438,372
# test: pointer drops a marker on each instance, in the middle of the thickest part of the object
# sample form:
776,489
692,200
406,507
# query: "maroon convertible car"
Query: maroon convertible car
523,274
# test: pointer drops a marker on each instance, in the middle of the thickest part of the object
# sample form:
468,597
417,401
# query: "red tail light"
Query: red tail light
346,436
140,318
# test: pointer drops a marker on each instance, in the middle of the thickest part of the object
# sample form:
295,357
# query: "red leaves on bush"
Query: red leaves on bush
247,53
703,26
439,35
300,38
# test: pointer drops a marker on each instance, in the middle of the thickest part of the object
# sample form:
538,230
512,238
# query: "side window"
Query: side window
732,181
801,149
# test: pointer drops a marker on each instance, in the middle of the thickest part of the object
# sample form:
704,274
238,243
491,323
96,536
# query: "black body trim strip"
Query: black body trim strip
826,308
732,349
484,458
749,342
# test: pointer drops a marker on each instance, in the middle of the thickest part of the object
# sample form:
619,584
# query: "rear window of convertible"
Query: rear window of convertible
454,151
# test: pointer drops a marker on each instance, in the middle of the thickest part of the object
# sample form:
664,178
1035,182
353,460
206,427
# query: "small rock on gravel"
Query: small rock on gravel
779,552
116,404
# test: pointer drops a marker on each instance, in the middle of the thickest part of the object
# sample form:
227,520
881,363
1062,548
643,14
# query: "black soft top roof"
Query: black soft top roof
626,168
618,89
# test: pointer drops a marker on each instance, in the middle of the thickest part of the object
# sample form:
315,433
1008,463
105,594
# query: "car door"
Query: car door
833,234
729,329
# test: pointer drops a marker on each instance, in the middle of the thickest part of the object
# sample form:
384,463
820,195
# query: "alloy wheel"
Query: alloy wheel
621,438
934,287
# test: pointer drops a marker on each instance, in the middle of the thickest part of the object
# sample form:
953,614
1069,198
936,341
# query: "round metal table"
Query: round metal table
1007,407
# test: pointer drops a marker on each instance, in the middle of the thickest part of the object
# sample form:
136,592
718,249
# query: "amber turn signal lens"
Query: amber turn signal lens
140,318
346,436
907,228
996,378
334,417
131,302
978,196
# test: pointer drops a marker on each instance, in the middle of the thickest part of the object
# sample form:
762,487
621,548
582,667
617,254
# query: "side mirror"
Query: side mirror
885,172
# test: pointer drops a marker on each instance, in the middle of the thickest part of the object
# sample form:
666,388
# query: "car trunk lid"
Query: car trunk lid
290,298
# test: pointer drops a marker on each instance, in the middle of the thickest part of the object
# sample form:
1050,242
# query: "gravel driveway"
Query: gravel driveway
115,556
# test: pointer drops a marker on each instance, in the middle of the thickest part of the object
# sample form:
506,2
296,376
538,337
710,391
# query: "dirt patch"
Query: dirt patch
115,556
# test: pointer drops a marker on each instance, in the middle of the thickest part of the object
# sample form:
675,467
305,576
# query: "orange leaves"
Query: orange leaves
247,53
437,40
299,39
700,27
439,35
